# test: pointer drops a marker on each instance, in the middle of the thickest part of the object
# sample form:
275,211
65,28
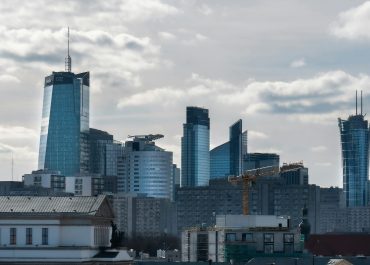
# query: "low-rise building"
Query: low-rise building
57,230
241,237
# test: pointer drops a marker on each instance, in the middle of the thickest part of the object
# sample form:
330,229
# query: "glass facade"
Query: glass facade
238,147
64,144
195,155
147,169
354,135
258,160
220,161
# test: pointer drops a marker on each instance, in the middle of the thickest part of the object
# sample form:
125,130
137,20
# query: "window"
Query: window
247,237
288,238
13,236
268,238
45,236
28,236
230,237
269,249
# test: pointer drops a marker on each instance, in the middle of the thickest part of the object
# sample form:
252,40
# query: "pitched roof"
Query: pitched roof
50,205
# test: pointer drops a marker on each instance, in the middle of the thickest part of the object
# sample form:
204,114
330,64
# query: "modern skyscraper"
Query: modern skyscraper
238,147
195,157
220,161
227,159
64,134
147,168
354,136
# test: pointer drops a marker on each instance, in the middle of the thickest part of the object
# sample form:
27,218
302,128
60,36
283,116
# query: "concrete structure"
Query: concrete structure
87,185
200,205
53,180
138,215
240,238
258,160
195,160
354,136
294,174
57,230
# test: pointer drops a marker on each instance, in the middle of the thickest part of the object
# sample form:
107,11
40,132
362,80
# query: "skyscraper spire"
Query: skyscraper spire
361,102
356,101
68,60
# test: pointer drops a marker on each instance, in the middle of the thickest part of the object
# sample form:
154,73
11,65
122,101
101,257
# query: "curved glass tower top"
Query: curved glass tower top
65,123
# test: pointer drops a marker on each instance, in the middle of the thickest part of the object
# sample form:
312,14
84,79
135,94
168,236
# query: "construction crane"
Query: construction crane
147,137
248,177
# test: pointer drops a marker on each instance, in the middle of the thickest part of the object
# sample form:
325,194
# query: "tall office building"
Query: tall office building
147,168
64,144
238,147
354,136
220,161
228,158
195,157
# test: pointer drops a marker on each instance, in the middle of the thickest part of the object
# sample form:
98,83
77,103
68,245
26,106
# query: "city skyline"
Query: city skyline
288,79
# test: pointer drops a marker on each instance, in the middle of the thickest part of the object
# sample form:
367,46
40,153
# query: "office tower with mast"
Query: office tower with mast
64,144
354,136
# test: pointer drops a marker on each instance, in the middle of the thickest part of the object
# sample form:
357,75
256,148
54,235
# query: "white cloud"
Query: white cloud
9,79
17,133
164,95
19,152
298,63
353,23
323,164
255,135
166,35
205,10
318,149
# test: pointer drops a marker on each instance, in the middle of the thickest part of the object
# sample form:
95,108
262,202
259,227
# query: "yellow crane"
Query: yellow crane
248,177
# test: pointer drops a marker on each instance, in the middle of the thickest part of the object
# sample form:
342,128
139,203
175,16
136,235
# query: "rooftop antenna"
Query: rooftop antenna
356,102
361,102
68,60
12,166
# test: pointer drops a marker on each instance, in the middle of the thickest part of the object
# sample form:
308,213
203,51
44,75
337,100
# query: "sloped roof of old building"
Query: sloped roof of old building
41,205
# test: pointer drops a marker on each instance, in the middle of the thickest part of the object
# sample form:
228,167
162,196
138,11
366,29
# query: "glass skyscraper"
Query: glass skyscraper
64,144
354,136
220,161
195,157
238,147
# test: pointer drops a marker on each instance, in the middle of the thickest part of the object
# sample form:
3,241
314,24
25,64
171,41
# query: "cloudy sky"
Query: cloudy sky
288,68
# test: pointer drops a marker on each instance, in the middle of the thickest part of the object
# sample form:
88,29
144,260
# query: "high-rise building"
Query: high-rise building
195,157
354,136
258,160
227,159
238,147
147,168
64,134
220,161
97,141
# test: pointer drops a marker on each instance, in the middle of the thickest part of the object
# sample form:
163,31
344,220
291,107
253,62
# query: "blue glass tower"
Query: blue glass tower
64,144
195,158
354,136
238,147
220,161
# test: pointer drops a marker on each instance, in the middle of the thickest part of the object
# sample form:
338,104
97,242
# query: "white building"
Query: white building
57,230
79,185
47,179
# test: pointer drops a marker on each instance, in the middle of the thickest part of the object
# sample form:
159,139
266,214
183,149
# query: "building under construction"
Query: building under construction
240,238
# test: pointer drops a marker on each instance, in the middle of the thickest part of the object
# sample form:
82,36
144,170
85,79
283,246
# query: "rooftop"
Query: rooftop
50,205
